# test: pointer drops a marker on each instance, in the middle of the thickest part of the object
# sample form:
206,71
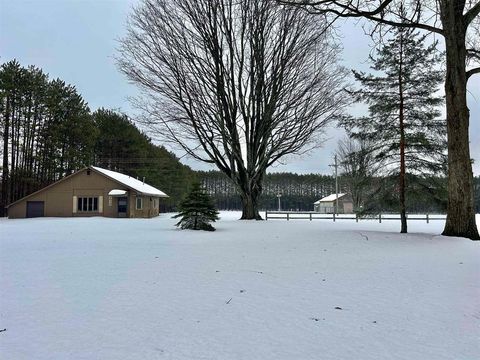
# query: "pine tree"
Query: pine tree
197,210
404,125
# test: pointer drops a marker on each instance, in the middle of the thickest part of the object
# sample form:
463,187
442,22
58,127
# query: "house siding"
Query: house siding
148,210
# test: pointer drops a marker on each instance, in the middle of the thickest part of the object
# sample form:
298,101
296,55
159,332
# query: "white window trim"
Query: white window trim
86,198
141,203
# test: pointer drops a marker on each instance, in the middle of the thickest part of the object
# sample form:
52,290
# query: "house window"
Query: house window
87,204
139,203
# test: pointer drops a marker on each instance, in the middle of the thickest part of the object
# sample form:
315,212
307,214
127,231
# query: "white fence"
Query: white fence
312,215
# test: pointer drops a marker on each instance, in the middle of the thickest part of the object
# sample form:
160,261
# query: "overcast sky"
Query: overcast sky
75,40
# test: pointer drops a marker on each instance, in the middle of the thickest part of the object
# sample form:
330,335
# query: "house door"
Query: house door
35,209
122,207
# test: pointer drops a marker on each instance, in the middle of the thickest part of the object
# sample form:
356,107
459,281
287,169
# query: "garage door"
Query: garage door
35,209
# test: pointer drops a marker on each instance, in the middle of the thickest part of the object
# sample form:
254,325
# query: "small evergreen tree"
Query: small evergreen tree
404,127
197,210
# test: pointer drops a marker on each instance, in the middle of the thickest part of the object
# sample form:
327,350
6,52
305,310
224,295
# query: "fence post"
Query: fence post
380,218
288,216
310,216
266,215
333,217
356,217
427,219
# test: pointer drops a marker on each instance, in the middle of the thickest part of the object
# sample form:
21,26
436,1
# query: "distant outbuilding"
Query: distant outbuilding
326,205
92,191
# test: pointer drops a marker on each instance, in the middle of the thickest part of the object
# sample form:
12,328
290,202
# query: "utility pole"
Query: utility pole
335,165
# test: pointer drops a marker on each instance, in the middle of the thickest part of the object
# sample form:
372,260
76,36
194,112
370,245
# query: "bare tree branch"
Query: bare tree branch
471,14
377,11
472,72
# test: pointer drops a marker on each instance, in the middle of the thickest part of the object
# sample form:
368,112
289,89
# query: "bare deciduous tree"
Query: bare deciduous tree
358,166
457,21
239,84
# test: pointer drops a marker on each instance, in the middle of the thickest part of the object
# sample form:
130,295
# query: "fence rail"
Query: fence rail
312,215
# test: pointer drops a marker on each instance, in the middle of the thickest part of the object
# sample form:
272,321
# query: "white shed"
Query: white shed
326,205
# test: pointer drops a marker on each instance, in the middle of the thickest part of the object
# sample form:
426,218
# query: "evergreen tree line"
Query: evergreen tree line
299,192
48,131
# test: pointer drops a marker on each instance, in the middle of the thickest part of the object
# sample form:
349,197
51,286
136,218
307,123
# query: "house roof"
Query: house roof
137,185
330,198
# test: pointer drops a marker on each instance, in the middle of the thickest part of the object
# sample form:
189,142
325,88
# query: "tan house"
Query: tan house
327,204
92,191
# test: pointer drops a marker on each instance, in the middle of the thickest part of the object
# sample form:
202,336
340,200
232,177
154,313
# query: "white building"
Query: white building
327,204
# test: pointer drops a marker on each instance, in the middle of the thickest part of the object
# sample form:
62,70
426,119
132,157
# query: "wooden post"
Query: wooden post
288,216
356,217
427,219
310,216
334,217
266,215
380,218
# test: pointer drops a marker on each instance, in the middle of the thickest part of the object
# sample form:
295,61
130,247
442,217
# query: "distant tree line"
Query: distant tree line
47,131
299,192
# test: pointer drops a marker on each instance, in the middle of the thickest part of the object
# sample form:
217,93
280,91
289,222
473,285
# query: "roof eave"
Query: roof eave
154,195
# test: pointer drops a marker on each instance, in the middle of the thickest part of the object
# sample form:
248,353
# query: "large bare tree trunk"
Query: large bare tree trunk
461,211
250,190
250,207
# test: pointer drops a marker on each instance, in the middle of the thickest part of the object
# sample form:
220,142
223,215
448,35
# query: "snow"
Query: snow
117,192
100,288
329,198
131,182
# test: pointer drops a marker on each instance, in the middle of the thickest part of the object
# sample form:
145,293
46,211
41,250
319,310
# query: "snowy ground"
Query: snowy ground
140,289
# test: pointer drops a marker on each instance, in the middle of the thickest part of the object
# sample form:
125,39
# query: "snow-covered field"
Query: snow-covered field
140,289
